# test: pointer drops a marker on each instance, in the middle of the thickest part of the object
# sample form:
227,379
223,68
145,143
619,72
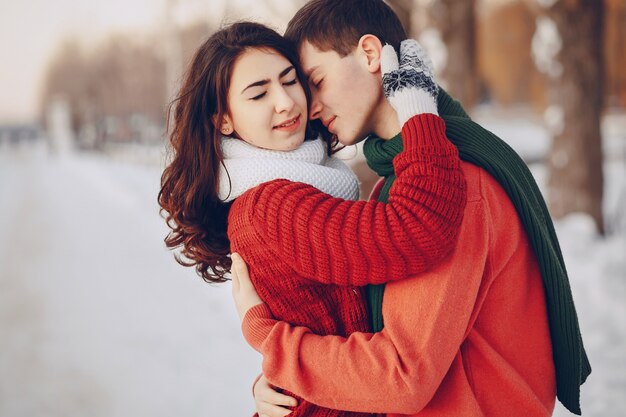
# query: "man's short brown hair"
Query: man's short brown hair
339,24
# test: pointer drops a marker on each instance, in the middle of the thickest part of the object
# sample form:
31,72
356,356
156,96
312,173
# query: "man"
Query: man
492,331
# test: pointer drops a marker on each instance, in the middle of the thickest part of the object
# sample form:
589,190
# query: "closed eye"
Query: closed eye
292,82
260,96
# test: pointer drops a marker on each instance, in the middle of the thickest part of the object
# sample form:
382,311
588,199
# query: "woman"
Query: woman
244,179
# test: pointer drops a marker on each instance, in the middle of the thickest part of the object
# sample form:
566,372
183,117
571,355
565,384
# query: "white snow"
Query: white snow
554,117
97,319
546,3
545,46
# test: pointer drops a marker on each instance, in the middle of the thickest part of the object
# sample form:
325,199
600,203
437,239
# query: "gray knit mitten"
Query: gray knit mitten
409,85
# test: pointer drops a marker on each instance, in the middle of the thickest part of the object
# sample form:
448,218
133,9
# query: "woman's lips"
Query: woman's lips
289,125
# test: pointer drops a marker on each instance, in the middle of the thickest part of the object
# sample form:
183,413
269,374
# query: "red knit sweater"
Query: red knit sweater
310,254
469,338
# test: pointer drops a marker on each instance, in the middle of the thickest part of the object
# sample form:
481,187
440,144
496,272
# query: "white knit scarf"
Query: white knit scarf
246,166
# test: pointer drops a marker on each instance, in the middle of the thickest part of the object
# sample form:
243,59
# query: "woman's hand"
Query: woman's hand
244,293
268,401
409,85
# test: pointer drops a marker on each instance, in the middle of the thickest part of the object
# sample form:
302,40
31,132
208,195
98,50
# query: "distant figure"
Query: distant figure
59,127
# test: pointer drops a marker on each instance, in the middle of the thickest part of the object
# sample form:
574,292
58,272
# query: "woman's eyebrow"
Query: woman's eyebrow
263,82
286,71
256,84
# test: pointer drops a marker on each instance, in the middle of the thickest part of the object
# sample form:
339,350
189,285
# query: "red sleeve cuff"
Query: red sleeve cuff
424,130
257,324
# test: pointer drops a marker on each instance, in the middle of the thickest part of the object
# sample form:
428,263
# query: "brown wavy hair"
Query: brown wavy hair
189,184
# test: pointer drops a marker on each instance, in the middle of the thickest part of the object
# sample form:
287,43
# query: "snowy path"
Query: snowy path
597,271
96,318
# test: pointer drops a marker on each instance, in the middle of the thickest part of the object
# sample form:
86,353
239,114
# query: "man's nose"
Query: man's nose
316,107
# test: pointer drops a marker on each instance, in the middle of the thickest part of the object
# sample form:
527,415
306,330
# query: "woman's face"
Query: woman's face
267,104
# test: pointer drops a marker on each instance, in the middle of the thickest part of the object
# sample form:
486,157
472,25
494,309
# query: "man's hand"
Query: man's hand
409,85
269,401
244,293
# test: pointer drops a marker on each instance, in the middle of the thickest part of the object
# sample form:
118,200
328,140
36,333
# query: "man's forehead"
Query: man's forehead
311,57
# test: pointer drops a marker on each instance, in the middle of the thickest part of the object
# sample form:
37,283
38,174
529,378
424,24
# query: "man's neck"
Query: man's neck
386,124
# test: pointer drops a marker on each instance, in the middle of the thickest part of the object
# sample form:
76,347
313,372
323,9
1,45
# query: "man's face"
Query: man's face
344,92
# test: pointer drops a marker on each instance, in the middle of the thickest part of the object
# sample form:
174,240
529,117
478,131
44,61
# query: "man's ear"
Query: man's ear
225,125
370,46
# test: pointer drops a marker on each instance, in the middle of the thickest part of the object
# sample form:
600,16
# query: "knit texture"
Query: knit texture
246,166
310,254
409,85
469,338
484,149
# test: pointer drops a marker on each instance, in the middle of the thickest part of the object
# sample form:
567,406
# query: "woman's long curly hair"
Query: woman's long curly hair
189,184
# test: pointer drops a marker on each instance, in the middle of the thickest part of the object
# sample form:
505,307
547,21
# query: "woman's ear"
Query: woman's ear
225,125
371,47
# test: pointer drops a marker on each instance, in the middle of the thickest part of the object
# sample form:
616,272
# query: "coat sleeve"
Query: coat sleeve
355,243
397,370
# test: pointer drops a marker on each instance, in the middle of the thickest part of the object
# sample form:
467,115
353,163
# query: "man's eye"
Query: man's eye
260,96
319,83
292,82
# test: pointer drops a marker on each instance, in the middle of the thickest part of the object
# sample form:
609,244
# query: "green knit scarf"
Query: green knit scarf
484,149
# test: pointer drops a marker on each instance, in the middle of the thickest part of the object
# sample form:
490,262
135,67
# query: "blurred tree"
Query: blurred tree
191,37
404,9
615,51
119,79
282,11
567,47
125,76
172,50
455,20
504,33
66,79
446,28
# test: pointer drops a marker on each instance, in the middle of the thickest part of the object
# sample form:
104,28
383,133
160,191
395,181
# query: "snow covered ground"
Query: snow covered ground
96,318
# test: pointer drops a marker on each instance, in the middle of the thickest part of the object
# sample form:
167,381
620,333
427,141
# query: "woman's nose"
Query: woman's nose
284,102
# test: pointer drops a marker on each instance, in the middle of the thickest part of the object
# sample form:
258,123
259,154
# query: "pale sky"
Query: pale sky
30,30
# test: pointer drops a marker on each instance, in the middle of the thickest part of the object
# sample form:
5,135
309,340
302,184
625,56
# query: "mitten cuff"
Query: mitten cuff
411,102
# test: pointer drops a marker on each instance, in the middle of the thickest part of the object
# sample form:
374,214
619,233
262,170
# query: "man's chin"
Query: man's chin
350,140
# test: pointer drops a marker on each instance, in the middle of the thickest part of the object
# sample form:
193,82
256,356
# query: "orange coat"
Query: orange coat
469,338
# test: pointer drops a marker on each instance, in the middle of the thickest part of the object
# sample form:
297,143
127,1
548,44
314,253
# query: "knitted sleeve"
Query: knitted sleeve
335,241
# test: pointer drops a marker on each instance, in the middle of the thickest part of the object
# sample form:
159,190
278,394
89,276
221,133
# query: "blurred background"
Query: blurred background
96,317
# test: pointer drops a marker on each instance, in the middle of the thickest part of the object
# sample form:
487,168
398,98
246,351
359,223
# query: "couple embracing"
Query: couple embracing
444,295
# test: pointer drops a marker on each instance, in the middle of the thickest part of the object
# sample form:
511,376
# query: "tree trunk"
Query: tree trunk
575,97
403,9
455,21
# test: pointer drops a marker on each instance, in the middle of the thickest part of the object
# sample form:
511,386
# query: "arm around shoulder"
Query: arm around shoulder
342,242
395,371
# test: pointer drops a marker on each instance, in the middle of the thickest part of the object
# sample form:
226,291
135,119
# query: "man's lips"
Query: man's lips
328,122
289,123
